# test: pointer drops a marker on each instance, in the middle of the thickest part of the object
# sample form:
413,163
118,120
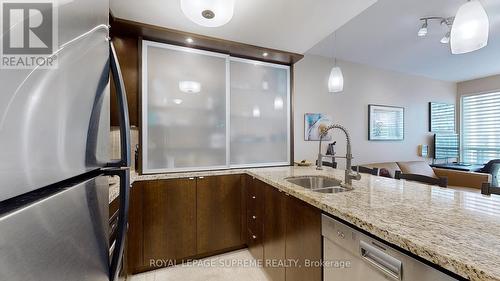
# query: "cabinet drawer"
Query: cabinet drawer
255,224
255,245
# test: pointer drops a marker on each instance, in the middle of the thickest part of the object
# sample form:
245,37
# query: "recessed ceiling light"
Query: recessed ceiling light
265,54
189,40
177,101
211,13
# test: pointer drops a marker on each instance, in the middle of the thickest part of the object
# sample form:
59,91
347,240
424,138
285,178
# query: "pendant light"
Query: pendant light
470,29
336,78
209,13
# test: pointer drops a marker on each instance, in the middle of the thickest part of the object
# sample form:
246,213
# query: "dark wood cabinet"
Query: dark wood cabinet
254,216
288,229
274,237
303,240
169,220
218,216
172,220
134,250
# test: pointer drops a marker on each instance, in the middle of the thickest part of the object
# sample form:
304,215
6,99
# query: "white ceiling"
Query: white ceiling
289,25
385,36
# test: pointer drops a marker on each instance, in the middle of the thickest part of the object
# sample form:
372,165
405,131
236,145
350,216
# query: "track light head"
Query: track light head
423,30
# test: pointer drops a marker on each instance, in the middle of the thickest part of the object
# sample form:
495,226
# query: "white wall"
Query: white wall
365,85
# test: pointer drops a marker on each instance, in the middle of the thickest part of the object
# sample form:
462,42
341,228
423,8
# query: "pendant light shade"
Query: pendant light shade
470,29
209,13
336,80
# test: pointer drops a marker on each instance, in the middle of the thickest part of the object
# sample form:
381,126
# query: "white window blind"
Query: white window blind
481,128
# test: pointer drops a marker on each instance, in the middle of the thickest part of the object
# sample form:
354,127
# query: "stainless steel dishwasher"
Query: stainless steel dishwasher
351,255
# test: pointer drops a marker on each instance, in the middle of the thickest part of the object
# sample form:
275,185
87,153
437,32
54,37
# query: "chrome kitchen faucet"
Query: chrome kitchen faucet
349,175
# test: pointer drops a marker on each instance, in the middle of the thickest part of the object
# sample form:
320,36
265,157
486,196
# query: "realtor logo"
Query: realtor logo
28,34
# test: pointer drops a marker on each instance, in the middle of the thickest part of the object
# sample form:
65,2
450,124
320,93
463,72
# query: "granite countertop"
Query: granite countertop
457,230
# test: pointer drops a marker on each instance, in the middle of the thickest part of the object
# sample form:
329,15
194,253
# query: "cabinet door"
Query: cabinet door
135,231
169,219
303,240
218,213
274,232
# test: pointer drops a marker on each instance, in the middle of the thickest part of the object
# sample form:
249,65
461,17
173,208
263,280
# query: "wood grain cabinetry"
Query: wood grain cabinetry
274,233
169,220
289,231
303,240
254,217
172,220
218,219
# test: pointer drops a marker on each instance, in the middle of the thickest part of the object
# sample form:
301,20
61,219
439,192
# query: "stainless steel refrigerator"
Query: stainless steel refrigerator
54,163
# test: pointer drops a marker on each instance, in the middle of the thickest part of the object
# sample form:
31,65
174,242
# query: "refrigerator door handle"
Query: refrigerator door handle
123,111
124,174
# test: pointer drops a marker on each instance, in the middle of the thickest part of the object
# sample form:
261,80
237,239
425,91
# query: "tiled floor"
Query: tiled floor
215,268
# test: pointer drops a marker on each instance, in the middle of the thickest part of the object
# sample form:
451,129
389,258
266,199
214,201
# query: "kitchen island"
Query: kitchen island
455,230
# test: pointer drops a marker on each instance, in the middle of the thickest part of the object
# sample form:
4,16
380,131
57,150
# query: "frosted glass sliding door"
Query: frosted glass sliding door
184,110
260,110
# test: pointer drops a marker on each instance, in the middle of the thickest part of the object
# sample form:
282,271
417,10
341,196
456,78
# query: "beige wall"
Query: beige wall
365,85
482,85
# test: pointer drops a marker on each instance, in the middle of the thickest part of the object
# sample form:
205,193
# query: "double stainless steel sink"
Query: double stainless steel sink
318,184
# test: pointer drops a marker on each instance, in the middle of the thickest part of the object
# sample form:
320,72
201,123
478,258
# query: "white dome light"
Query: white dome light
209,13
336,80
470,29
190,87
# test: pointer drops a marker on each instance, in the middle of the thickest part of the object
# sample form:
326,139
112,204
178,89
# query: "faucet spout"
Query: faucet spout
349,176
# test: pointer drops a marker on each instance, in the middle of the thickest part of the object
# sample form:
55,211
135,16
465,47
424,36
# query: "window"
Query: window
203,110
481,128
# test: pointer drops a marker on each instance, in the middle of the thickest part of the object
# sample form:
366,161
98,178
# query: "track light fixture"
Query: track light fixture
422,32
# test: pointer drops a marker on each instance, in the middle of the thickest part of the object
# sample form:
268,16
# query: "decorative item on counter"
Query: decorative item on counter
313,122
385,123
303,163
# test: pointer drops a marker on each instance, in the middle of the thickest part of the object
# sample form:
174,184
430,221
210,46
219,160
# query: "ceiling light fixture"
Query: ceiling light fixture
423,30
336,78
470,30
209,13
448,22
190,87
446,38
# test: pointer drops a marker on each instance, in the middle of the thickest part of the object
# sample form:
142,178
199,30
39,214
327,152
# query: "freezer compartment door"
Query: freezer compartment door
61,237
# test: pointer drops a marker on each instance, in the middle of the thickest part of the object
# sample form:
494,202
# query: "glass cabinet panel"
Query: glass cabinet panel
183,108
260,123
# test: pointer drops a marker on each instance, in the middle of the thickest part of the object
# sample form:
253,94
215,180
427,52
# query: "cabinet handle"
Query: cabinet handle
254,237
254,217
253,197
201,178
191,178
